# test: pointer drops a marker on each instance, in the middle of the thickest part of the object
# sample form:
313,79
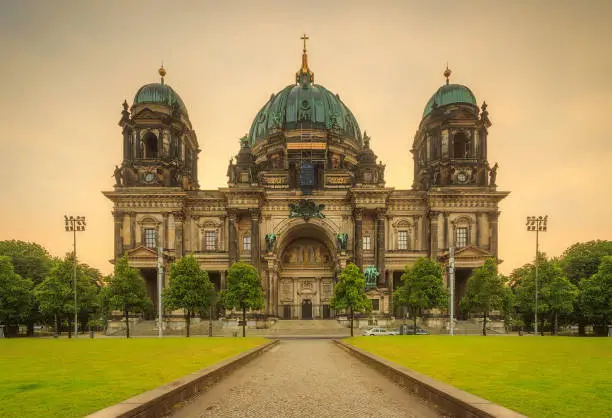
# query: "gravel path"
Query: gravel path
306,378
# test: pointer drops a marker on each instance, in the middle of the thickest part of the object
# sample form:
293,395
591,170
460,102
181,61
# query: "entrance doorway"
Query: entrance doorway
326,313
306,309
286,311
461,277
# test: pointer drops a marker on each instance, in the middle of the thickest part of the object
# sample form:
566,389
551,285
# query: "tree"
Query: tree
126,291
484,291
596,296
15,295
189,289
55,295
581,261
349,292
422,288
559,295
243,291
30,261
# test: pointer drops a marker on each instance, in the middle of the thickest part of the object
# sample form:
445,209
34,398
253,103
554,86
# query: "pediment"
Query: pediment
142,252
147,113
468,253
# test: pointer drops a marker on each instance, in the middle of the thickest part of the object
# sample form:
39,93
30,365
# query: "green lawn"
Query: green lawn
63,378
539,377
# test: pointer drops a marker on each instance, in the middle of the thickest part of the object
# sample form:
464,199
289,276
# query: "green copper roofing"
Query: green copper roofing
450,94
160,93
305,105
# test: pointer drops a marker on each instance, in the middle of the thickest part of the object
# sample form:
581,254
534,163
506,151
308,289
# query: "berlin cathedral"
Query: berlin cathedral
306,194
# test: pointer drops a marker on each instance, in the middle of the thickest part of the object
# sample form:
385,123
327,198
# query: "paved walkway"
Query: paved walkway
306,378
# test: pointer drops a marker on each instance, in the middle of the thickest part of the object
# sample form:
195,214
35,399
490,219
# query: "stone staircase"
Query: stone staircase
297,327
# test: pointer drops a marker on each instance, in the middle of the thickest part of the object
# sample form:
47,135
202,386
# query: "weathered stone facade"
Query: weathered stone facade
305,196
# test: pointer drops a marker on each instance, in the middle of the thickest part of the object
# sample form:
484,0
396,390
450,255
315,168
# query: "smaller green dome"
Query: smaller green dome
160,93
450,94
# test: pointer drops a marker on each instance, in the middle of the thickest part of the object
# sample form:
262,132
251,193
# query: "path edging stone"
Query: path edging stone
447,398
159,401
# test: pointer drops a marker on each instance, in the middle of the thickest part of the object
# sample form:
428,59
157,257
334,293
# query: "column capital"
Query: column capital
493,216
178,216
381,213
118,215
358,214
165,215
255,213
433,215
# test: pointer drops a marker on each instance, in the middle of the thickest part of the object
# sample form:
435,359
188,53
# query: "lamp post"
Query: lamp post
537,224
73,225
451,279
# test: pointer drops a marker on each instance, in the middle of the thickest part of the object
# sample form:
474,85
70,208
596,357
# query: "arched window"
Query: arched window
150,144
461,146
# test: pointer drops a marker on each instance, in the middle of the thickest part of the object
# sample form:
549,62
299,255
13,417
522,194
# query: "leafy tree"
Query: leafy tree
559,295
55,295
189,289
422,288
30,261
596,296
349,292
484,291
15,295
126,291
581,261
243,291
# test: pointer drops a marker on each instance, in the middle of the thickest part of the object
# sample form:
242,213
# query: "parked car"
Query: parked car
379,331
411,331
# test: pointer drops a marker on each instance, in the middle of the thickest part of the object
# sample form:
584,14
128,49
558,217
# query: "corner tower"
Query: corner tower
159,146
450,146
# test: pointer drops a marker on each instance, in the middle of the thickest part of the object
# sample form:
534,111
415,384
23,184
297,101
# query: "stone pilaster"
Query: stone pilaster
133,242
445,229
179,218
163,235
223,280
232,238
433,236
255,253
493,218
118,218
358,214
391,288
380,242
424,233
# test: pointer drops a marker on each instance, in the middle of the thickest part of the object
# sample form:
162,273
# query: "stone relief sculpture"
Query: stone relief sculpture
306,253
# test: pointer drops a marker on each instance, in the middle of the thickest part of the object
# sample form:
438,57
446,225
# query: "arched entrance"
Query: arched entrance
306,272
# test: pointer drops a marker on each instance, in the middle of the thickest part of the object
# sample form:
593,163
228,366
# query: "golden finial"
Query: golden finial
162,72
305,70
447,73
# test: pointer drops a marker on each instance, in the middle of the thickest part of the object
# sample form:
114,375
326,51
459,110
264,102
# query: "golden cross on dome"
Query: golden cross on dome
304,38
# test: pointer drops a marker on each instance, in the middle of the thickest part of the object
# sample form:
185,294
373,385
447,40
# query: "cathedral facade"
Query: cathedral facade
306,194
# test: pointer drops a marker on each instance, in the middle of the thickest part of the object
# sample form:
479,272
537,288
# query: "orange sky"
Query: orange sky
543,68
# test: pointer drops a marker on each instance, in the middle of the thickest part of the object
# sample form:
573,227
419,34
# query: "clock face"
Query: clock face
462,177
149,177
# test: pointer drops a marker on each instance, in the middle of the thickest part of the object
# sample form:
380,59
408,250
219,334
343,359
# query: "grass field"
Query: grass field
64,378
539,377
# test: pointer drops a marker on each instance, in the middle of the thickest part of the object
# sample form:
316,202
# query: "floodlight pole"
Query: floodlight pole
451,279
160,273
73,225
537,224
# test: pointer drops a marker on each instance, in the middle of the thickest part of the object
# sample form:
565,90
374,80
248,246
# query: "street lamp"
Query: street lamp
73,225
537,224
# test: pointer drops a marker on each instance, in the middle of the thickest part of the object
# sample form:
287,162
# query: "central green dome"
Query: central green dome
304,105
309,106
450,94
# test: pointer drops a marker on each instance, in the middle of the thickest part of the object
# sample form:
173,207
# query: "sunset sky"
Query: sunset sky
543,68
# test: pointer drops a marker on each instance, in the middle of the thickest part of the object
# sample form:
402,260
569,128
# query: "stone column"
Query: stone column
433,236
232,238
223,280
482,230
424,233
415,233
380,242
358,214
391,289
133,230
118,218
493,217
179,217
255,255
